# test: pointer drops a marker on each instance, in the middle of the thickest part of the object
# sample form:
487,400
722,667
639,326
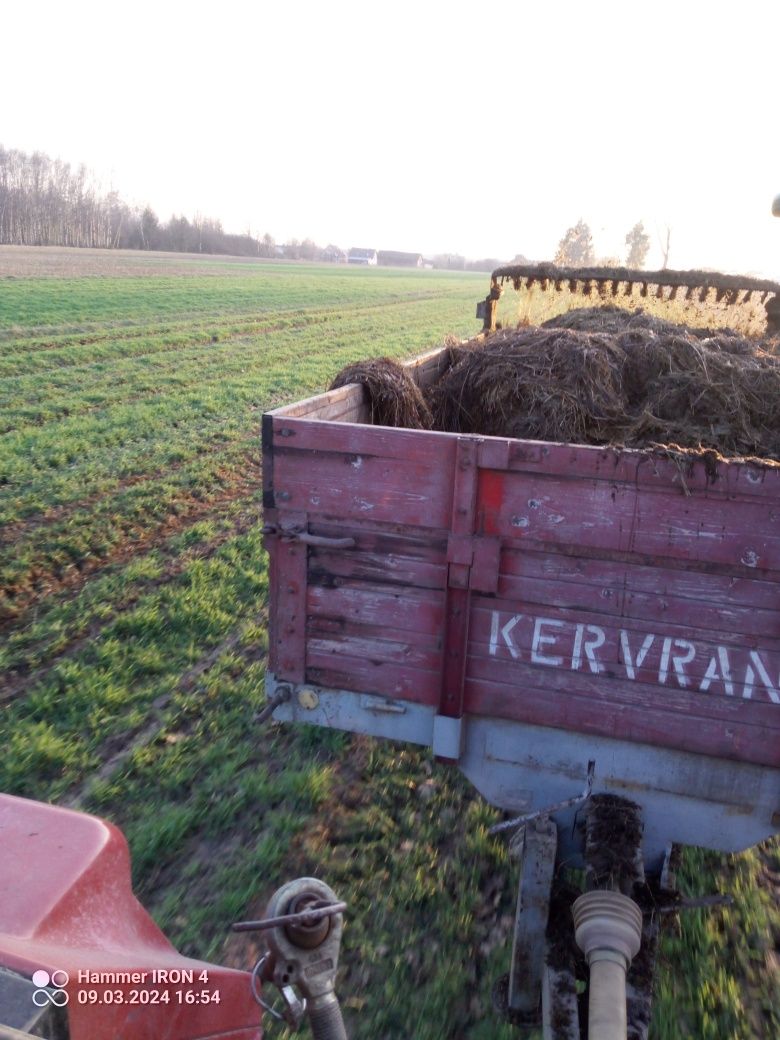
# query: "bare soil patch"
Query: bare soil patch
46,582
20,679
61,262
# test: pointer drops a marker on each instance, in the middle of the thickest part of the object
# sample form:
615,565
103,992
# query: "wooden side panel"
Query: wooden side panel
359,473
347,404
376,622
350,404
629,605
607,593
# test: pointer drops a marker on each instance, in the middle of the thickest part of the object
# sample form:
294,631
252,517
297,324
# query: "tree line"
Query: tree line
47,202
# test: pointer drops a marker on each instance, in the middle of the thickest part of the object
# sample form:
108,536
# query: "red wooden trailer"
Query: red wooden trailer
565,623
527,607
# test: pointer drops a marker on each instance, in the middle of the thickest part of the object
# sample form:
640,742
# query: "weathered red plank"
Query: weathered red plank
407,491
328,627
644,469
712,724
624,721
401,682
385,536
619,600
367,441
697,586
403,610
600,516
372,650
388,568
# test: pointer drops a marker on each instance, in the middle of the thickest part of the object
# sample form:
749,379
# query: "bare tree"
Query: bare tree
664,241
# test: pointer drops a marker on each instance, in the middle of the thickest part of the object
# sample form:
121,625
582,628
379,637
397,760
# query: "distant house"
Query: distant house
393,258
362,256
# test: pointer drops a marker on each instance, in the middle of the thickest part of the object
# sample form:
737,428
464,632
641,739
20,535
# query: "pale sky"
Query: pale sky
435,127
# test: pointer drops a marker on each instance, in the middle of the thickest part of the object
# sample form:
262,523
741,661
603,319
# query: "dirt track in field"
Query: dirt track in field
19,680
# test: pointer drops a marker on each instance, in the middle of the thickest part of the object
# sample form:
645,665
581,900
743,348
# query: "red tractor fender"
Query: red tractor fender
67,908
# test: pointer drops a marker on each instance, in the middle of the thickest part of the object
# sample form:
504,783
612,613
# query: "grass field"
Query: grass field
132,615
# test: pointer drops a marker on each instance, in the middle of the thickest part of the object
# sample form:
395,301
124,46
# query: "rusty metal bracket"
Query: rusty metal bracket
539,845
282,695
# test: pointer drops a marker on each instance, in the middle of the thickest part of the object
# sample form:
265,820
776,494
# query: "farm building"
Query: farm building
362,256
394,258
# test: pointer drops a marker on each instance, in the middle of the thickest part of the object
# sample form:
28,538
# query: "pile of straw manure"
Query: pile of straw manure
394,397
597,376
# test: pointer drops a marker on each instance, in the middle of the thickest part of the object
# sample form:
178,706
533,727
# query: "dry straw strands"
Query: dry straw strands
598,376
394,397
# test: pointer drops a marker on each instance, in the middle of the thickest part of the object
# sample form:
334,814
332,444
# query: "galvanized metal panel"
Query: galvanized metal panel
686,798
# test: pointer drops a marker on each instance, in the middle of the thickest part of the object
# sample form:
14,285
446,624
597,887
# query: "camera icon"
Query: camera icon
56,995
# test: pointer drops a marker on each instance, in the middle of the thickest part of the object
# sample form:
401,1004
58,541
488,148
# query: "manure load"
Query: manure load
595,376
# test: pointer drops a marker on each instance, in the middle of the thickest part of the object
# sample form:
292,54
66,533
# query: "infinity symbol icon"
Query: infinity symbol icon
42,997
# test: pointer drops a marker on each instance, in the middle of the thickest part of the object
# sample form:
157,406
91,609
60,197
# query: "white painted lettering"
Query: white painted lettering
591,645
504,632
576,654
719,670
663,667
495,624
540,640
545,641
630,664
750,678
679,661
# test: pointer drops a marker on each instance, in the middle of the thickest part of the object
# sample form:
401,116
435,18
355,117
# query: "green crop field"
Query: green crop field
132,613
